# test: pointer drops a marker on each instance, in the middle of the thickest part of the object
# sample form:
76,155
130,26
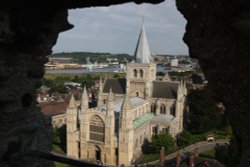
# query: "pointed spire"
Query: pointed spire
85,98
111,95
142,52
100,84
126,105
72,102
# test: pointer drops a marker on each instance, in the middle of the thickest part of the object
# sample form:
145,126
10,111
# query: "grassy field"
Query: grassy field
208,154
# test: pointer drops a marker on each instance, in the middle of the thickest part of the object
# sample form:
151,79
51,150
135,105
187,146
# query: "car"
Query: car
210,138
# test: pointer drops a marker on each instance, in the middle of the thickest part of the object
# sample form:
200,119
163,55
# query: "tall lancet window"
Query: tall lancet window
96,129
163,109
141,73
135,73
153,108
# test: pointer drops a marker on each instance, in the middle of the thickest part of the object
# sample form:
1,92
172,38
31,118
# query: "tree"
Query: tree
165,140
204,115
185,138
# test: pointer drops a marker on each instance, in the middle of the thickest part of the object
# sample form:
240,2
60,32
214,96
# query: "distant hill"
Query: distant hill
80,57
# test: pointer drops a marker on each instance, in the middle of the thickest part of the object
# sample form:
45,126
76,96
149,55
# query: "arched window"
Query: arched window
96,129
163,109
135,73
153,108
141,73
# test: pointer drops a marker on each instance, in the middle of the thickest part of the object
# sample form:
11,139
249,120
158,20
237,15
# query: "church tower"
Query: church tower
72,130
142,72
125,134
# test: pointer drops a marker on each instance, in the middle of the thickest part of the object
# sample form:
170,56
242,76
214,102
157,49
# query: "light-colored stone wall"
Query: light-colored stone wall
58,120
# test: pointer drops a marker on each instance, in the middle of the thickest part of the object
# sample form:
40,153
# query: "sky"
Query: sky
115,29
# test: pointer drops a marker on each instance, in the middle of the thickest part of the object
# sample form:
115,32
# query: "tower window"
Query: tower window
141,73
135,73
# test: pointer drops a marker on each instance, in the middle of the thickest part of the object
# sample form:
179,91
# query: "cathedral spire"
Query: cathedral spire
142,52
100,84
111,95
85,99
72,102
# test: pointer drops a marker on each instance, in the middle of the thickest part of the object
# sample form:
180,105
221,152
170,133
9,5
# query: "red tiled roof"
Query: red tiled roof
54,108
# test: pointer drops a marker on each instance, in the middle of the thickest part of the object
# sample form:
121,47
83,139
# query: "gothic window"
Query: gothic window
154,130
153,108
163,109
164,130
135,73
96,129
141,73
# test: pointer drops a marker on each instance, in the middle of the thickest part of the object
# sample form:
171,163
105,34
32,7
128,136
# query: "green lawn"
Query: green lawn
208,154
58,164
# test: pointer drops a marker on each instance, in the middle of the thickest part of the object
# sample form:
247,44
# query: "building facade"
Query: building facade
129,111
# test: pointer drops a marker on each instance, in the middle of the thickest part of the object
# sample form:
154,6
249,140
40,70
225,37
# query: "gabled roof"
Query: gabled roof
166,90
118,86
142,52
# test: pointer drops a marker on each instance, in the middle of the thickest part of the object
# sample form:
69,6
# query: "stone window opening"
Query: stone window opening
137,94
153,108
154,130
141,73
97,129
135,73
163,109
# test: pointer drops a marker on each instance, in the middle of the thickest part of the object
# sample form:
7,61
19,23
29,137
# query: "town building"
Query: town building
128,112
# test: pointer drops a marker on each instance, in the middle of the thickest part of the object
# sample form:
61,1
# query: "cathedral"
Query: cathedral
128,112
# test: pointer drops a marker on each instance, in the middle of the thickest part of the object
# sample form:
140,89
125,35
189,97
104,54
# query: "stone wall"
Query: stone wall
217,35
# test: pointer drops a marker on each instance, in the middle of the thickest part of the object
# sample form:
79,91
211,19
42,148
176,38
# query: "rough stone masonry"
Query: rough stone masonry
217,34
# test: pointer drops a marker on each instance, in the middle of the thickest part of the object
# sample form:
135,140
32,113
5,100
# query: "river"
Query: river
84,70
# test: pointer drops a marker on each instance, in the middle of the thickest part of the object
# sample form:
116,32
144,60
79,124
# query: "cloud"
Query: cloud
115,29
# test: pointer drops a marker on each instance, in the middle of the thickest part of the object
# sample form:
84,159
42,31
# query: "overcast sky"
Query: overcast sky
115,29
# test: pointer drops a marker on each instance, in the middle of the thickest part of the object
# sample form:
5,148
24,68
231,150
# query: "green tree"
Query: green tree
165,140
185,138
204,115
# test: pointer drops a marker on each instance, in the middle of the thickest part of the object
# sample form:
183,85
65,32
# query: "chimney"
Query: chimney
178,159
196,154
191,161
162,156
